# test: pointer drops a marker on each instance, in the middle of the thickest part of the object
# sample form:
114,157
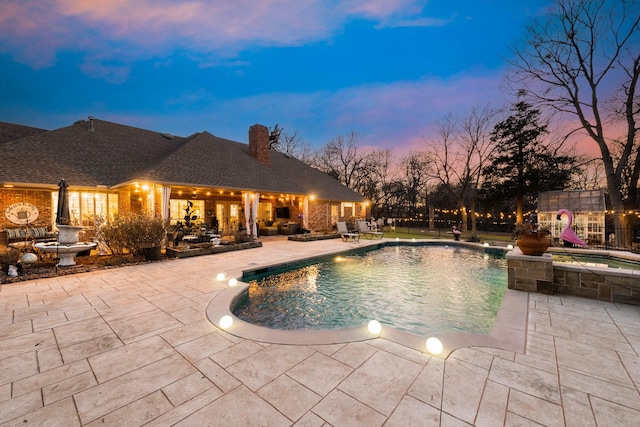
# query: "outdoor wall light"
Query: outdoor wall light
434,345
221,276
226,321
374,327
233,281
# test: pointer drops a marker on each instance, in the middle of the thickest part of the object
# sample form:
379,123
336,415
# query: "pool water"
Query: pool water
595,261
424,290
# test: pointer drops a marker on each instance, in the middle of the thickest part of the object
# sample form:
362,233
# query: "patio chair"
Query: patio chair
345,234
368,233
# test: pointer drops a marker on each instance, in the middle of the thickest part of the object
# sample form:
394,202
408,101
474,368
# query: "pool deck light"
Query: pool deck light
233,281
226,321
434,345
220,277
374,327
486,245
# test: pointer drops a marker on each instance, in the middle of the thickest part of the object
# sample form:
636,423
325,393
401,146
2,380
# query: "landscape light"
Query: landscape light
226,321
434,345
374,327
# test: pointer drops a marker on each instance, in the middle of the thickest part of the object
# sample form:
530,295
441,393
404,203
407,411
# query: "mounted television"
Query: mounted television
282,212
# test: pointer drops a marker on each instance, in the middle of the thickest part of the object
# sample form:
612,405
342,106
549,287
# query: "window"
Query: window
87,208
178,210
335,217
264,211
347,210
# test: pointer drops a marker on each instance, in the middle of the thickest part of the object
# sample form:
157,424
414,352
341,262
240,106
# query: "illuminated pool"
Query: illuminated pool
424,290
592,260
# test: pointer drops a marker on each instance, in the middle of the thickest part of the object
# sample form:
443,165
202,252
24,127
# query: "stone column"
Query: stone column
530,273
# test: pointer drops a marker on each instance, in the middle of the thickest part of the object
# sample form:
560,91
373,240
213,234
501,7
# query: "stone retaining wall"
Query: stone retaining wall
539,274
604,284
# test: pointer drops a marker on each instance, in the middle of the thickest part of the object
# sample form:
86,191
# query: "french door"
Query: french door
228,216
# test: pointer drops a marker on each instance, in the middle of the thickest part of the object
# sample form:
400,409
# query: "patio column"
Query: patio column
254,214
305,213
166,196
246,203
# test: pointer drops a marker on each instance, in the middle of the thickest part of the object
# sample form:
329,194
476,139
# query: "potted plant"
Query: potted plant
531,239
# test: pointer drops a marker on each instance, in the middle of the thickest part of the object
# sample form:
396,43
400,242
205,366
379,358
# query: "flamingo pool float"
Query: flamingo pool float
567,233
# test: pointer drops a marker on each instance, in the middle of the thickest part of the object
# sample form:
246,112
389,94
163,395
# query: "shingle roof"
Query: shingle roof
10,131
312,180
92,153
84,157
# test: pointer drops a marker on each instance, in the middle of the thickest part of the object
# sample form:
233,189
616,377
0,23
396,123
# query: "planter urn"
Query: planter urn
533,243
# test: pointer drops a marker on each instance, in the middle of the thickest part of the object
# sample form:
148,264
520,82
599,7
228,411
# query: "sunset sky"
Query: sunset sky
387,69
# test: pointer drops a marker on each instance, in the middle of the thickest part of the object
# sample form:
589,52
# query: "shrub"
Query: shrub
132,232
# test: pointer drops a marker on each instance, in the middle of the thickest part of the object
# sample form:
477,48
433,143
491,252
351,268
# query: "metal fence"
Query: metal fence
486,230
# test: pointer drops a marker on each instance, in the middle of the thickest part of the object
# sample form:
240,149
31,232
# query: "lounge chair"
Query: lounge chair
368,233
345,234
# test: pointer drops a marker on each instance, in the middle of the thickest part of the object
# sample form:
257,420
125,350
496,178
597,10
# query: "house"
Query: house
112,168
587,208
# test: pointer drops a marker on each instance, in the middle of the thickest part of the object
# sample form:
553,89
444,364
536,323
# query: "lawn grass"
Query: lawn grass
495,239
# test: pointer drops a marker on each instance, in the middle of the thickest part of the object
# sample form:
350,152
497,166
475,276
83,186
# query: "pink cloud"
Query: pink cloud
34,30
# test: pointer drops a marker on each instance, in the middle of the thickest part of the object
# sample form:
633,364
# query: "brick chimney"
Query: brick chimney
259,143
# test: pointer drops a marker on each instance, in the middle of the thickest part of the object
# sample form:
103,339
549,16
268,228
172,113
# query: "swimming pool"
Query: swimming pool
594,260
423,290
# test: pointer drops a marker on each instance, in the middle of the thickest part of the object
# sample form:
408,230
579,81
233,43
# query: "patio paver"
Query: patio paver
132,346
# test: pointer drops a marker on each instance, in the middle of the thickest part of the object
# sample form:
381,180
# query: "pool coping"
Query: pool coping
508,333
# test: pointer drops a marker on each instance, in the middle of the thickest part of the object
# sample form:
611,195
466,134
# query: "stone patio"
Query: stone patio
132,346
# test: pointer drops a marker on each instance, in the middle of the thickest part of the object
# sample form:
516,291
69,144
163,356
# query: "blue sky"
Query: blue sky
385,69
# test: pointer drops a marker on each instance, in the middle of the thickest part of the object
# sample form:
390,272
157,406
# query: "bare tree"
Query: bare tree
374,185
342,159
477,147
415,177
274,138
583,59
293,145
290,144
459,156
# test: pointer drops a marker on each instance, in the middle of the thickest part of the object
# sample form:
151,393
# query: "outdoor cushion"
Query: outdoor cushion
15,233
38,232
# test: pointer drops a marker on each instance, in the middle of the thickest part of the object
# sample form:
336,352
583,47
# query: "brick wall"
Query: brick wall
319,216
39,198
